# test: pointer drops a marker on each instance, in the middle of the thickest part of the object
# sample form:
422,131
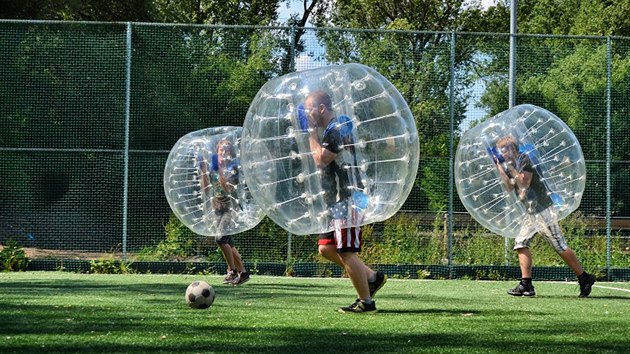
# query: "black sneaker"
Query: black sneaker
587,285
522,290
359,306
230,278
242,278
378,283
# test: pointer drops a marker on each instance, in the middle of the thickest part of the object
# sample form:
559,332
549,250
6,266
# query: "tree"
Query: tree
71,94
78,10
417,62
568,76
224,12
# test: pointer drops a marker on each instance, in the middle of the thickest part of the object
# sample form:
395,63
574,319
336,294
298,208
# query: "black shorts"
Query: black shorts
226,240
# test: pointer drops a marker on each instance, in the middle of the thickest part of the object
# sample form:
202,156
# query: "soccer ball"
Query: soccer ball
199,295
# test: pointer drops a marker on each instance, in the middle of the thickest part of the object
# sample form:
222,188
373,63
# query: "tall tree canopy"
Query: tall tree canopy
568,76
188,73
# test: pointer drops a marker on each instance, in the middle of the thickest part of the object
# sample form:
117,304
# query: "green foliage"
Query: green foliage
235,12
104,266
569,78
478,247
424,274
13,258
192,270
186,77
575,17
401,243
232,12
404,241
435,183
270,240
179,243
418,64
109,265
77,10
446,15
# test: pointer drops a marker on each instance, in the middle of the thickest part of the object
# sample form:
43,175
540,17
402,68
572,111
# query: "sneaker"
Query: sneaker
230,278
359,306
522,290
587,285
242,278
378,283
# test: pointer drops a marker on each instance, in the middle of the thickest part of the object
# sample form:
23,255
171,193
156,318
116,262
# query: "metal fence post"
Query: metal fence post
291,68
126,152
292,54
608,159
450,156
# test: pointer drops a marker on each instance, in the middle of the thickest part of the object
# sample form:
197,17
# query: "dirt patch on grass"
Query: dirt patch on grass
40,253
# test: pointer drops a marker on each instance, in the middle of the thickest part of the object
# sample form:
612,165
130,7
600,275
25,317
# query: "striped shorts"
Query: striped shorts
346,239
545,223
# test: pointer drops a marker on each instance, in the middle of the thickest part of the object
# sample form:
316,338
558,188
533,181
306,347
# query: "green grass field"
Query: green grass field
59,312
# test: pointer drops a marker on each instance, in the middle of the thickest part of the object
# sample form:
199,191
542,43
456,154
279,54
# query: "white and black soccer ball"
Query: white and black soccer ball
199,295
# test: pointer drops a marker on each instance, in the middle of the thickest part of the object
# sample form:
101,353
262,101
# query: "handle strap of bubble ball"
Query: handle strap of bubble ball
330,126
345,125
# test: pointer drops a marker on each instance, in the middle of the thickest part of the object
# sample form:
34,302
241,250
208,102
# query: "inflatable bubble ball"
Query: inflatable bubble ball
520,162
366,152
204,184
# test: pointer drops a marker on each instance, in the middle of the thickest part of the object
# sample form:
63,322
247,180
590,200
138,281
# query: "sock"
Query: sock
583,276
526,281
367,300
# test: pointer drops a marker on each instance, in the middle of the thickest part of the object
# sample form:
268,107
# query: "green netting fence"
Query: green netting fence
90,111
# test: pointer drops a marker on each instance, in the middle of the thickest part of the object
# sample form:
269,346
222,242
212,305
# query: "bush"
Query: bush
13,258
110,266
402,242
179,243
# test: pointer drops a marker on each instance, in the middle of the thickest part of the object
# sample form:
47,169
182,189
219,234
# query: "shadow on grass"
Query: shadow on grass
30,324
592,297
208,338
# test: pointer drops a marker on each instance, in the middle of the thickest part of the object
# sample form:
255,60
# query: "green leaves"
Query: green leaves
13,258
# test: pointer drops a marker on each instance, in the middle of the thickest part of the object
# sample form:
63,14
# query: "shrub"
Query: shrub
179,243
110,266
13,258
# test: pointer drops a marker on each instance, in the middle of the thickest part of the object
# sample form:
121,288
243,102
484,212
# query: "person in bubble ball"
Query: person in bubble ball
520,176
341,245
223,177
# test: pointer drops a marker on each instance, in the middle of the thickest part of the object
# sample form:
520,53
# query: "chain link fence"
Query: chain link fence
90,111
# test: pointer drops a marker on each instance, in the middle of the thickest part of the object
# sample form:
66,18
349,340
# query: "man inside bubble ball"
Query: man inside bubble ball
222,176
338,182
520,176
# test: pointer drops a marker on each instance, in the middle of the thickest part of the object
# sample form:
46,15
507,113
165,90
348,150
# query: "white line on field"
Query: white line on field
611,288
595,286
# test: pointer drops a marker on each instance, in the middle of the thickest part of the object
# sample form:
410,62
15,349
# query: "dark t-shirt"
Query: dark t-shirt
341,173
536,198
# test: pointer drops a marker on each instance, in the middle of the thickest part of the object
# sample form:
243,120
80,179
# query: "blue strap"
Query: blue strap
345,125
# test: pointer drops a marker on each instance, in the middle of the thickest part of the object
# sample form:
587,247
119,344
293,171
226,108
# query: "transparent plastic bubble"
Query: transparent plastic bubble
543,146
375,137
204,184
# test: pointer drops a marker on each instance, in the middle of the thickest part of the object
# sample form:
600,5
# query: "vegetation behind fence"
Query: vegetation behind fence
90,111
